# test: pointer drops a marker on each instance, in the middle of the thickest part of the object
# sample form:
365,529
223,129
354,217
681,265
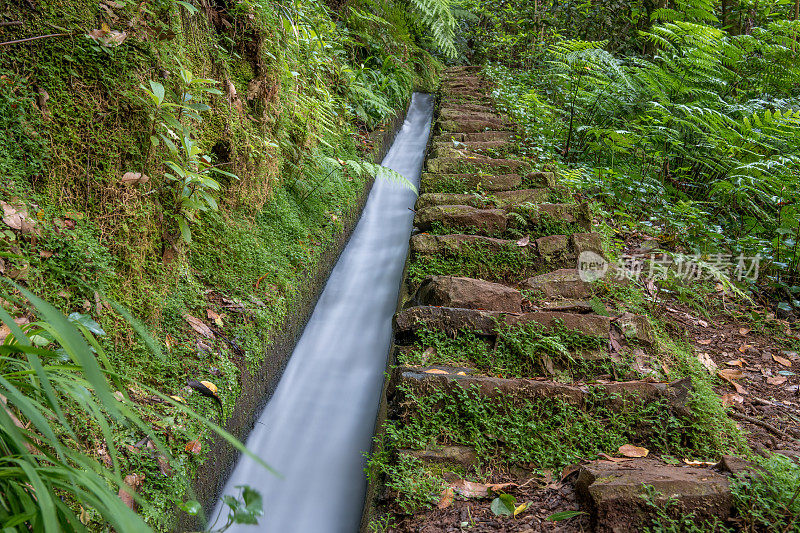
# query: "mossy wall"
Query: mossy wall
292,80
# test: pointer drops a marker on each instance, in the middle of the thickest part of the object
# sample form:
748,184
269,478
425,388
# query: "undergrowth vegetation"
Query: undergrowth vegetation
690,138
196,162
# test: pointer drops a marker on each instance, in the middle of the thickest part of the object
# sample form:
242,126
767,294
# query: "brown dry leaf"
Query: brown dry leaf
777,380
212,315
119,396
199,326
744,331
435,371
193,446
730,398
169,342
704,342
447,498
743,348
134,483
134,178
709,363
736,362
729,375
629,450
781,360
5,331
16,217
426,355
471,489
45,254
609,458
524,241
108,37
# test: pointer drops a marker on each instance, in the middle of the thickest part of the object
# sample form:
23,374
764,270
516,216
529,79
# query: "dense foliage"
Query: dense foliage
684,118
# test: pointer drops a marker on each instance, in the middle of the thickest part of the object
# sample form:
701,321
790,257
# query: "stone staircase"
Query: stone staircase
493,260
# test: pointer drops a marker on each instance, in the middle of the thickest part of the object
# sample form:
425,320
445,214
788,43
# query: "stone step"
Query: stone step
458,114
476,163
442,149
421,382
462,217
462,68
613,492
453,319
476,136
502,199
547,248
473,125
447,182
538,219
564,283
468,293
468,108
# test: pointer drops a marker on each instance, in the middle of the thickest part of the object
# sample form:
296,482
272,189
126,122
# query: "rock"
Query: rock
562,283
431,199
553,246
635,327
592,325
615,393
460,217
541,179
467,165
460,113
560,214
467,125
591,242
568,306
509,199
452,319
737,466
441,148
613,491
447,319
428,244
460,455
488,136
449,291
469,182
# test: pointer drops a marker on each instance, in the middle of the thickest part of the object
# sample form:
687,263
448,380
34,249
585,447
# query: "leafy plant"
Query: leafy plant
175,118
51,388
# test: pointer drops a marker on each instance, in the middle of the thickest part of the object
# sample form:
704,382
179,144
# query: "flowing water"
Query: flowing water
320,421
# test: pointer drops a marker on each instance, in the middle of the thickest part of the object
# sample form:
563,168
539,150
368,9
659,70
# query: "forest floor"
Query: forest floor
526,398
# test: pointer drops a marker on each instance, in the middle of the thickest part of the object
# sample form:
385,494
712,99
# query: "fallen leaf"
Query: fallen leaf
16,217
736,362
471,489
612,459
169,342
730,398
709,363
781,360
698,463
119,396
199,326
447,498
178,399
212,315
777,380
435,371
134,178
628,450
5,331
210,386
134,483
743,348
524,241
521,508
744,331
193,446
729,375
45,254
461,373
704,342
